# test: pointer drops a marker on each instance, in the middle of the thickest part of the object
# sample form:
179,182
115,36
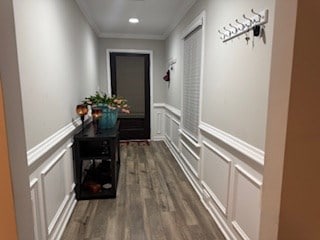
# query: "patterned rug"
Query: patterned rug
138,142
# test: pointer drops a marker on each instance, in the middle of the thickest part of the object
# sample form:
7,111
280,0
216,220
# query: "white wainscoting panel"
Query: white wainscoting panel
52,183
246,204
172,138
158,123
173,111
34,188
191,176
157,126
216,176
167,128
225,171
68,168
190,157
175,133
53,190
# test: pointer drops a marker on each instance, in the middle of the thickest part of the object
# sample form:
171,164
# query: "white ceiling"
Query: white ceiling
109,18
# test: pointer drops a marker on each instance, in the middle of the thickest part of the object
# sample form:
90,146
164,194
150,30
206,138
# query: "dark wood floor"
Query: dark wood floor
154,201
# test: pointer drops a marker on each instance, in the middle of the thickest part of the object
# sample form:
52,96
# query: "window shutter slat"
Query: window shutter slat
191,82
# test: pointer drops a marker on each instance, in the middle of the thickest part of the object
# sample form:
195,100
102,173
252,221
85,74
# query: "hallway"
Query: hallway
234,94
154,201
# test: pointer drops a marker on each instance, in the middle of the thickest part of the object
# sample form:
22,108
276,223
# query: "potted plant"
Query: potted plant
110,106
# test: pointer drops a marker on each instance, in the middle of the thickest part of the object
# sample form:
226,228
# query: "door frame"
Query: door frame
8,215
134,51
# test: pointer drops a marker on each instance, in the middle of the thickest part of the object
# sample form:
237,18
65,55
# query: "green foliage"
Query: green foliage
113,102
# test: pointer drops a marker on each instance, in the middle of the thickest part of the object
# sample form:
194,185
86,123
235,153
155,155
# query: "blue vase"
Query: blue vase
108,118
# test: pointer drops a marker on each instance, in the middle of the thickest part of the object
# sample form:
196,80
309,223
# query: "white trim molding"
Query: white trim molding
186,161
224,209
136,51
173,110
134,36
38,222
182,163
198,21
168,107
44,172
255,183
248,150
84,9
43,161
179,15
35,153
249,177
209,194
159,105
191,140
158,124
167,129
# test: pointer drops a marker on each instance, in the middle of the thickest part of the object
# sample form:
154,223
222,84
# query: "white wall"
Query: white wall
57,53
159,69
58,65
236,74
226,165
279,92
9,72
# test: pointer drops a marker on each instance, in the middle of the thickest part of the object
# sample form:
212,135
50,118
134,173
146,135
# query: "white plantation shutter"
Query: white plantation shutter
191,82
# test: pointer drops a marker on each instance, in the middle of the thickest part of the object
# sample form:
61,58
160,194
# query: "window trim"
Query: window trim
200,20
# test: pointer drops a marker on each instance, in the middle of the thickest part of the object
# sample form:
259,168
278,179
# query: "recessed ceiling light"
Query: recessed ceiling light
134,20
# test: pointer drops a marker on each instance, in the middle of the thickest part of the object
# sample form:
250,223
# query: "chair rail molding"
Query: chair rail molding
176,112
241,146
37,152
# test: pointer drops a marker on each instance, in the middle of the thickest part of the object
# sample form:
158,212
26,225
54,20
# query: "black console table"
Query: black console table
96,162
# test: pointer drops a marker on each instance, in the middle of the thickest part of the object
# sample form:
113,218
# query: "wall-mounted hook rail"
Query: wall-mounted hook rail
223,35
241,24
249,22
256,14
228,31
241,27
233,27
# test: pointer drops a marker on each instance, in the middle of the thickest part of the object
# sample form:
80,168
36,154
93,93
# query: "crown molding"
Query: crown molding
84,9
179,17
132,36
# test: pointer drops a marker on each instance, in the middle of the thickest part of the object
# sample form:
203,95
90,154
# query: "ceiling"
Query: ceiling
109,18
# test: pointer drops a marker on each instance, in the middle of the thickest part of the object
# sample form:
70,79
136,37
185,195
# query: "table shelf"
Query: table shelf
96,162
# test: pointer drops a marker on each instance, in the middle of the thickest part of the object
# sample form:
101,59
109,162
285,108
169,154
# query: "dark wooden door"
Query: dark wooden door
130,78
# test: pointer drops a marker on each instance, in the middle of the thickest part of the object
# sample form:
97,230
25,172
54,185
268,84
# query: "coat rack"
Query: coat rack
245,25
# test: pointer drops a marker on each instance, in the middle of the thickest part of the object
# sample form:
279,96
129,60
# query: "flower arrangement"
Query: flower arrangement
114,102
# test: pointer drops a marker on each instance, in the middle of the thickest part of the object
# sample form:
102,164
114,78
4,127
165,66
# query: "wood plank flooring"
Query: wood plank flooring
154,202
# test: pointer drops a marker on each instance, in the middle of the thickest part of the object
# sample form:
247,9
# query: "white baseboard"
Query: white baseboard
158,138
66,217
222,225
192,179
197,187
